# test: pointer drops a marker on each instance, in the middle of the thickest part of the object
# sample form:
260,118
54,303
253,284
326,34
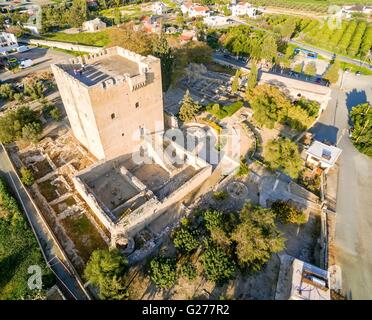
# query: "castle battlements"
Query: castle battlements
110,67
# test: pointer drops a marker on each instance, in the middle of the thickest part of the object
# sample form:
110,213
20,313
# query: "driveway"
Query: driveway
42,59
354,216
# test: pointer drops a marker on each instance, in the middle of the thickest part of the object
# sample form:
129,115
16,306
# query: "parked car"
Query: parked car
23,48
358,73
10,62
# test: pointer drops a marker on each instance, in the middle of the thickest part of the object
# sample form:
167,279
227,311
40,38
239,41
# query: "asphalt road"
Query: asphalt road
66,280
353,237
329,54
42,59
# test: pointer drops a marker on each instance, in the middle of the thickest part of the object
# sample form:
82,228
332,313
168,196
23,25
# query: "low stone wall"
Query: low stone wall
64,45
93,204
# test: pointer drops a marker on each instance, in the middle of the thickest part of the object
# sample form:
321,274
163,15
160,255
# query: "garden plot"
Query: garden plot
83,234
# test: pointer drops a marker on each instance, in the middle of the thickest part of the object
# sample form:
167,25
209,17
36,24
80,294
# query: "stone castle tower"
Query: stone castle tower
111,98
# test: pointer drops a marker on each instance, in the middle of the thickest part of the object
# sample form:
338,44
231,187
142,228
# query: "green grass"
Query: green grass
18,250
225,111
355,68
98,39
84,235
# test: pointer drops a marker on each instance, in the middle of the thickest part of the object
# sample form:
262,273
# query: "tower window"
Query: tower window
137,105
112,115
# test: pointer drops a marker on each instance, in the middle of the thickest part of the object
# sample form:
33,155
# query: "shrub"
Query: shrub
218,266
287,213
188,270
163,272
220,195
243,168
27,176
185,240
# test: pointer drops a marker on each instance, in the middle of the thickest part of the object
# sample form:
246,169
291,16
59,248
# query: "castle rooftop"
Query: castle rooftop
108,66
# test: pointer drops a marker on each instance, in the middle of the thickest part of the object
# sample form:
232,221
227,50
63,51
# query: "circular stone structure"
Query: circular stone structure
237,190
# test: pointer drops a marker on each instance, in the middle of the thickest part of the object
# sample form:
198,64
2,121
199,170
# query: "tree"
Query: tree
287,28
7,91
106,270
188,270
235,82
27,177
218,266
163,272
268,49
332,73
310,69
256,237
287,213
78,13
361,117
269,105
283,154
298,68
185,240
33,88
13,122
117,16
216,223
31,132
163,51
189,108
55,113
252,78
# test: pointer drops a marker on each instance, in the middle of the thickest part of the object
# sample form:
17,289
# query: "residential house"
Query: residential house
243,9
159,8
309,282
94,25
322,155
195,10
8,42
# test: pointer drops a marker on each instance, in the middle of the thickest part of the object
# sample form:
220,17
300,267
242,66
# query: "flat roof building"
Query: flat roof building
322,155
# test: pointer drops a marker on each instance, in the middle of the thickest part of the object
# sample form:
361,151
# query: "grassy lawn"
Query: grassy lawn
222,112
355,68
84,235
18,250
98,39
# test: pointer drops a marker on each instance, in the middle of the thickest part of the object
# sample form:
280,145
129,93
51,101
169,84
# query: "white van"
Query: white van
23,48
26,63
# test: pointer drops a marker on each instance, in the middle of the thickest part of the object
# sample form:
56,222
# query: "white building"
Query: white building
159,8
94,25
195,10
243,9
322,155
8,42
309,282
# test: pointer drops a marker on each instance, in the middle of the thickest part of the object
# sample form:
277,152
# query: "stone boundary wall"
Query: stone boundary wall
64,45
92,202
